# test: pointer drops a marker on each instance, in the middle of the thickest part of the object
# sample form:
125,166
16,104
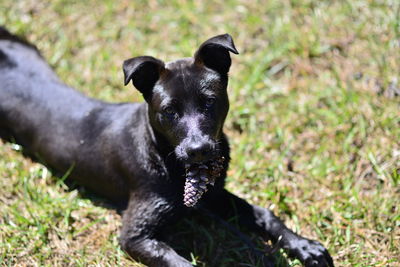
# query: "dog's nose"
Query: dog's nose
199,151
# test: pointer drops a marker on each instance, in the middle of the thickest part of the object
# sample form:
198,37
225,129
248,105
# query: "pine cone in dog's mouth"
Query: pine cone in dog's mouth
198,176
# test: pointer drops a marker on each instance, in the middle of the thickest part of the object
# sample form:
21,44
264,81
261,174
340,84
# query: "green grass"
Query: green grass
314,123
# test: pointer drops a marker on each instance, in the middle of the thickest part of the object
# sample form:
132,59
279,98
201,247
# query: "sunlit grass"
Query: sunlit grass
314,123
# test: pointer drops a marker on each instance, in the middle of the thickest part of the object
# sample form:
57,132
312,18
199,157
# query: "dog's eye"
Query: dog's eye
210,102
169,111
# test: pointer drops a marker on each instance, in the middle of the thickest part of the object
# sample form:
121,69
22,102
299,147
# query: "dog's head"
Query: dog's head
187,98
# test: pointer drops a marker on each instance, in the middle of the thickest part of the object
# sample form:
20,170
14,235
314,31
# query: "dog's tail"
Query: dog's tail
6,35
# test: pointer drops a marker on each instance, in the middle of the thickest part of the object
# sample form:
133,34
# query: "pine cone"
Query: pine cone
198,176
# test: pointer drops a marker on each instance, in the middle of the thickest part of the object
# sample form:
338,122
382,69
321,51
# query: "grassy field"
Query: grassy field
314,123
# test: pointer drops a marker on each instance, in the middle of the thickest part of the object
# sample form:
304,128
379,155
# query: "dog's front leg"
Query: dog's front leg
143,219
265,223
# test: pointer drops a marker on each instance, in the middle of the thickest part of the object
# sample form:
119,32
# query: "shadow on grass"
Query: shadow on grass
208,242
204,240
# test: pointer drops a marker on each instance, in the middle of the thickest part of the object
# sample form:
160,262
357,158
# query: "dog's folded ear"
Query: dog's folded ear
144,72
214,53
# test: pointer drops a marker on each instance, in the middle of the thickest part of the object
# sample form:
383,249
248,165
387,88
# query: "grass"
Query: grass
314,124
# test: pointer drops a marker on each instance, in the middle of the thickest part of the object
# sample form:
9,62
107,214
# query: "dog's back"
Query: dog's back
31,92
32,98
53,122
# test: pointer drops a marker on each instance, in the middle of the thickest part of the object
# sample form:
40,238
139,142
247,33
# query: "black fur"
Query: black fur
5,61
6,35
136,153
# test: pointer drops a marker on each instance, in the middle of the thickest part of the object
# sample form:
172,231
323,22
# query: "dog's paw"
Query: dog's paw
310,252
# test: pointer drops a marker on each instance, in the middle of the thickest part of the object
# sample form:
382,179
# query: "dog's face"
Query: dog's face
187,98
188,106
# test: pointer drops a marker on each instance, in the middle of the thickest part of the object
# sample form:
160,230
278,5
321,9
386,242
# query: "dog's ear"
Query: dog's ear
144,72
214,53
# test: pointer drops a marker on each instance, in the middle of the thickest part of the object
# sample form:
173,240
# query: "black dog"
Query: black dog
145,154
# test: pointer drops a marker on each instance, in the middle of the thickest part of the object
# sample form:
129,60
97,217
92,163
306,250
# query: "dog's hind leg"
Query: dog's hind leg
142,221
265,223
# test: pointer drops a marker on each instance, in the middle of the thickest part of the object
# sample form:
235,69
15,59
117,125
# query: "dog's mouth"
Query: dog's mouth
198,177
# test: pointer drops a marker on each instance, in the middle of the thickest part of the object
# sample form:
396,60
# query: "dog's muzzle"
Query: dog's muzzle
196,150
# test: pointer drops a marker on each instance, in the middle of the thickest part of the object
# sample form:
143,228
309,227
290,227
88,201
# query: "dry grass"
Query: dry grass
314,123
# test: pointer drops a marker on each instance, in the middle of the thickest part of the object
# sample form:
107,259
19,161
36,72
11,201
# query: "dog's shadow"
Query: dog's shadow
210,242
204,240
